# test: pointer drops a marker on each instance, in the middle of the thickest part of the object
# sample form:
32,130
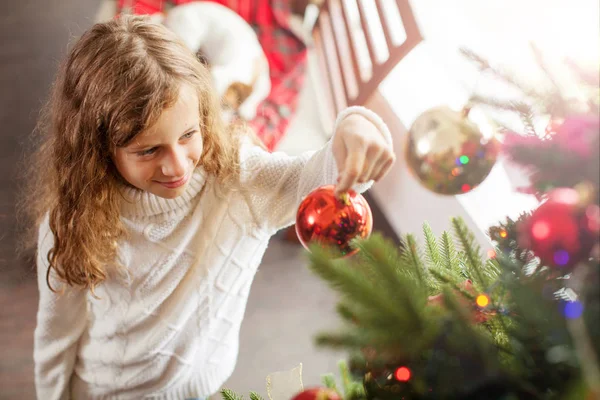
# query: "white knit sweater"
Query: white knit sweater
168,327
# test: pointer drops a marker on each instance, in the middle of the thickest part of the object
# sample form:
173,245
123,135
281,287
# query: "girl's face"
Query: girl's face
161,159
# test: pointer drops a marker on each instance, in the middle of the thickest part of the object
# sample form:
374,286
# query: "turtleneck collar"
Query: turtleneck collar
139,203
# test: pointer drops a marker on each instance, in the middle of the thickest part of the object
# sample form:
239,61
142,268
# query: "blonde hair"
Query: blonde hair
114,84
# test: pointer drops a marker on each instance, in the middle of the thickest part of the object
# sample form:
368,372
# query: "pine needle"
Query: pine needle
329,381
449,255
412,257
472,252
346,313
432,252
229,394
255,396
350,283
345,373
484,66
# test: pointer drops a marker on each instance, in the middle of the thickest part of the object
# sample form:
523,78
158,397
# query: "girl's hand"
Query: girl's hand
361,152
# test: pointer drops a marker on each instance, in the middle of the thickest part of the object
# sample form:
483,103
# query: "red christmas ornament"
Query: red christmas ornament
332,220
558,231
317,394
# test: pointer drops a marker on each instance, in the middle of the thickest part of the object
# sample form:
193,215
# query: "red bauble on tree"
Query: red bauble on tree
317,394
562,230
333,221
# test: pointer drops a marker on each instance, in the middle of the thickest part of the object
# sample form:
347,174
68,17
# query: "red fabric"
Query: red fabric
141,6
284,51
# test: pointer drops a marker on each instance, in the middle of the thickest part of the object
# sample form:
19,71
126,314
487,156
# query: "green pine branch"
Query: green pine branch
255,396
391,318
346,313
549,165
329,382
559,106
524,110
509,78
352,389
412,259
229,394
480,277
388,272
432,253
350,282
449,255
550,101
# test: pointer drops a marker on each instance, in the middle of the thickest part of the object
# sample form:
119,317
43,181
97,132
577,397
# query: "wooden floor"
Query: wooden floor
34,37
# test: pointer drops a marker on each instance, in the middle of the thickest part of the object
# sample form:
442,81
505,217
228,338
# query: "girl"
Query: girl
153,217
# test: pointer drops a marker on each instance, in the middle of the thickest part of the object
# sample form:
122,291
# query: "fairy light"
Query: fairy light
503,234
464,160
465,187
491,253
402,374
455,171
482,300
561,257
573,309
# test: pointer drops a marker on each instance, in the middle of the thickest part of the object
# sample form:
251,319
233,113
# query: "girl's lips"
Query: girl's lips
175,184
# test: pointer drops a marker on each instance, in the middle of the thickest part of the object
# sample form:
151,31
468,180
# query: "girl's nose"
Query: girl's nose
174,164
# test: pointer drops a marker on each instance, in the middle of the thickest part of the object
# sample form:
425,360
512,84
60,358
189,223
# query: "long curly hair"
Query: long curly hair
115,83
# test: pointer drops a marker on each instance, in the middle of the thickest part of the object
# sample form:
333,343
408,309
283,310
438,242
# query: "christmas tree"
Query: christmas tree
437,319
441,321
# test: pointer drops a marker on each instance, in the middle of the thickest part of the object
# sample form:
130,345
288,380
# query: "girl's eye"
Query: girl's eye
146,152
188,135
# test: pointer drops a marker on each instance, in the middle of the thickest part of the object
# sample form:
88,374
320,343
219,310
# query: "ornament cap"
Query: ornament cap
345,198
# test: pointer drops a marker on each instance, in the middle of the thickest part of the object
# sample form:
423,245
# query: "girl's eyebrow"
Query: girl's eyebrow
137,146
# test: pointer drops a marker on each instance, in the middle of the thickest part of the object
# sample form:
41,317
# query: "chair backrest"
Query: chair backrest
357,43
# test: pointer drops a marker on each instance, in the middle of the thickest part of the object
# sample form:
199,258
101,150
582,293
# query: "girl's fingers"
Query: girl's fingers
384,169
372,162
353,167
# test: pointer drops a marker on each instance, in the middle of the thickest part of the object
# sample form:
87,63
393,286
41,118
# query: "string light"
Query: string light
561,257
402,374
491,253
482,300
573,309
503,234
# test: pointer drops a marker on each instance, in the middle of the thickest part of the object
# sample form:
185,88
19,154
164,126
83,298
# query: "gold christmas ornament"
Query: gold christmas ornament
451,152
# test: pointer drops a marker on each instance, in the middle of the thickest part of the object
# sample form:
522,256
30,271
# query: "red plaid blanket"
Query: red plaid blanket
285,52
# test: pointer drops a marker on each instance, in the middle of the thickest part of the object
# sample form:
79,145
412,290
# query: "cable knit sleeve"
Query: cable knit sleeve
61,320
277,182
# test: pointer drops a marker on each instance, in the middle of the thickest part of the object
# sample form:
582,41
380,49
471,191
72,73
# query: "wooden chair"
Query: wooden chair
356,44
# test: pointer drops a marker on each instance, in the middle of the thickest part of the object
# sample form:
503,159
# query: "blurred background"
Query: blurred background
403,66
